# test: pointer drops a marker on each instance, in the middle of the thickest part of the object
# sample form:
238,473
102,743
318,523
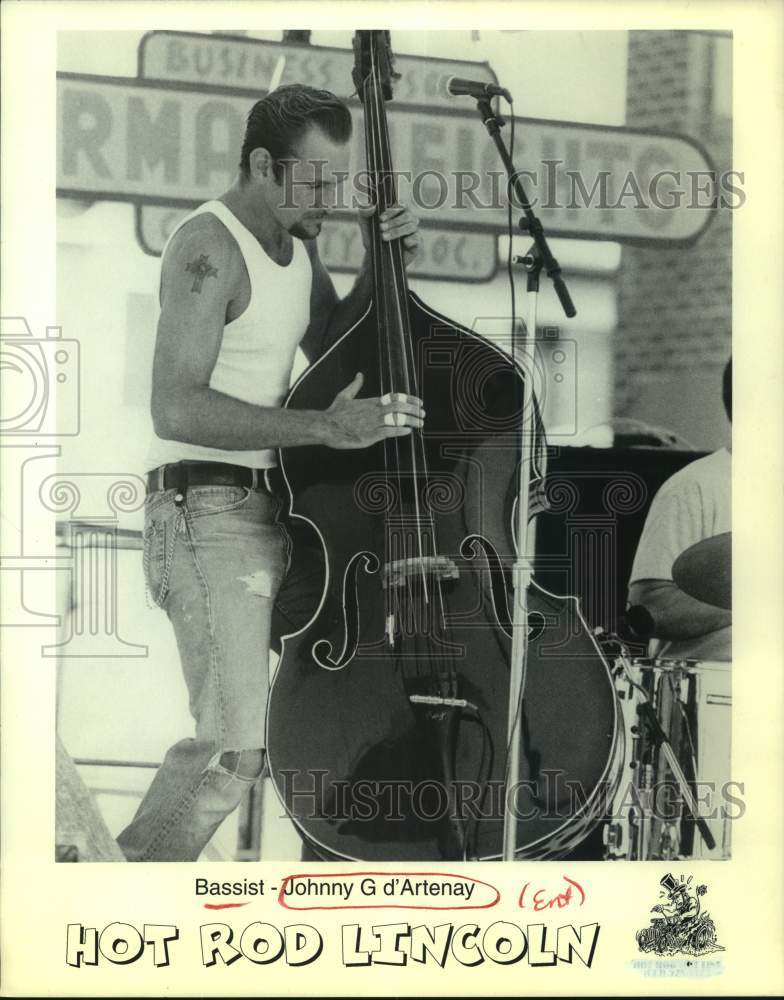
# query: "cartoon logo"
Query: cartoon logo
682,925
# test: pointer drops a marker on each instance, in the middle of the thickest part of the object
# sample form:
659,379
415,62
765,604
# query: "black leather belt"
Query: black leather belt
181,475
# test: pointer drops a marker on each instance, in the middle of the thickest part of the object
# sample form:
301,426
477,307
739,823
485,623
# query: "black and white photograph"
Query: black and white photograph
323,324
372,493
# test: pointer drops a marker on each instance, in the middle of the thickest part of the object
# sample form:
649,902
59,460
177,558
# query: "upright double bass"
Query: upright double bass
388,714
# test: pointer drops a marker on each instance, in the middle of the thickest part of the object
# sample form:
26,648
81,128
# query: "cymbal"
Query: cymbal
704,571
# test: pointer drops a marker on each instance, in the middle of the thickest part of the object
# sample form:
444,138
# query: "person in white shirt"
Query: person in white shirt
692,505
242,286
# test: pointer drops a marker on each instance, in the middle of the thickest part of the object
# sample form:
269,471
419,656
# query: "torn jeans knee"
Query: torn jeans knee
261,583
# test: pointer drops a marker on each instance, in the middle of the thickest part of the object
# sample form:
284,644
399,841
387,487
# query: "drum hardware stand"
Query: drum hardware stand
647,715
537,258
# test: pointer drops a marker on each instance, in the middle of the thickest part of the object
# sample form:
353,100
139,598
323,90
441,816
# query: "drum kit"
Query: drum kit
674,800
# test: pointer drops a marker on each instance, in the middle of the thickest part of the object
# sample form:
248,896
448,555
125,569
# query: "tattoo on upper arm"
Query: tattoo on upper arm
201,268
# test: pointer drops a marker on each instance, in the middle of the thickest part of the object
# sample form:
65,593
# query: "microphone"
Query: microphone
454,86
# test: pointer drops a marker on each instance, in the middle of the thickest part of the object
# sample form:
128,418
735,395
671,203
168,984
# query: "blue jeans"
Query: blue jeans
214,562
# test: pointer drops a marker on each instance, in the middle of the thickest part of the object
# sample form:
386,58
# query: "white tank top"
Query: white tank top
257,350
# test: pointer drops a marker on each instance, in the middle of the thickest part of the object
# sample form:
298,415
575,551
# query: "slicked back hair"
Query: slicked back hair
279,120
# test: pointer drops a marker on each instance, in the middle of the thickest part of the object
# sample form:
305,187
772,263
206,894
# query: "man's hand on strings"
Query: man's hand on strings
358,423
397,223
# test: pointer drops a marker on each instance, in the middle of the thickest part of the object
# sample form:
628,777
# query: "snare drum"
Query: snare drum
692,700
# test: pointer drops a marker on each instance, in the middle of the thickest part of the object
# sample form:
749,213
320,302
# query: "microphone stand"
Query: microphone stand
538,258
529,223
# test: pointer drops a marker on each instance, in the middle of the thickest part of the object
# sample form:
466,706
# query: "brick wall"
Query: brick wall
674,305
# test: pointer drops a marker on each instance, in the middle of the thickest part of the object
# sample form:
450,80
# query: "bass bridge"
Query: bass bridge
403,572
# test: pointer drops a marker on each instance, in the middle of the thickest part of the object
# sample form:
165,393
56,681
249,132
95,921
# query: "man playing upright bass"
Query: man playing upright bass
242,286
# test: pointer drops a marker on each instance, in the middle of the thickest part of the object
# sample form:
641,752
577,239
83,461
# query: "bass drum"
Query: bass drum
692,700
